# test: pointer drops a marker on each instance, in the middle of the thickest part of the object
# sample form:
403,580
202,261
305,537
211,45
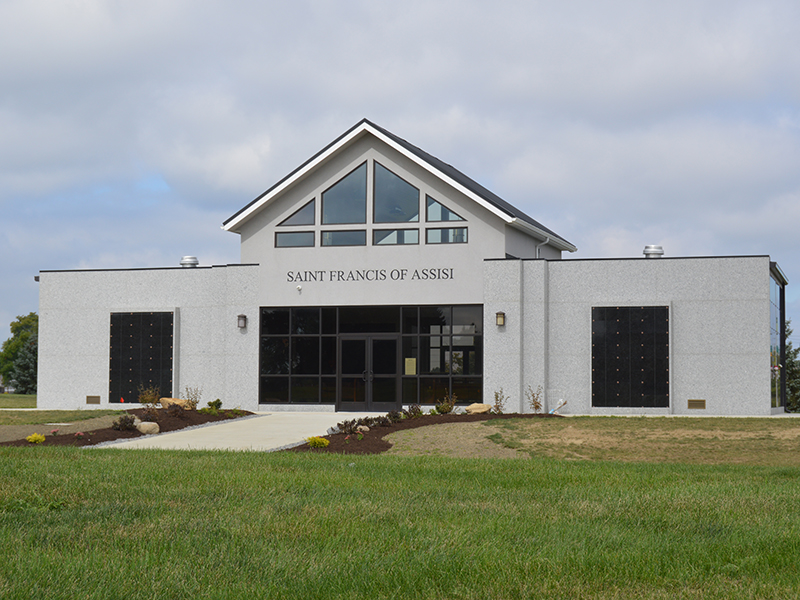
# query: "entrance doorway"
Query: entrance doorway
369,376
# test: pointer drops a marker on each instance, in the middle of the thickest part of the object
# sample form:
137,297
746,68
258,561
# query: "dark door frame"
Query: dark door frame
368,375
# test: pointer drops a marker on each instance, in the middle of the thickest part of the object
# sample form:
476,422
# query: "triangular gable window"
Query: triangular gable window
346,200
438,212
396,200
304,216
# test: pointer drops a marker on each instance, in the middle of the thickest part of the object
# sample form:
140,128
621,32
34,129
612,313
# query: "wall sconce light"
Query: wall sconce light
500,319
241,321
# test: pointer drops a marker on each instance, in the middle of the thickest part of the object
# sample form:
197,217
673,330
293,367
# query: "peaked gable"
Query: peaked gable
440,169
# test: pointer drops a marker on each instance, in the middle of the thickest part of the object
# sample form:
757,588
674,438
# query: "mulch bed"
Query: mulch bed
165,422
372,441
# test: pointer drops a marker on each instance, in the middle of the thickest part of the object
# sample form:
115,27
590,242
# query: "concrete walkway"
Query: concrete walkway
265,432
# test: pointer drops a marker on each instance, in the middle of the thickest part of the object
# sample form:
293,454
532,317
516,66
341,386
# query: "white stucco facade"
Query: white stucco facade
718,309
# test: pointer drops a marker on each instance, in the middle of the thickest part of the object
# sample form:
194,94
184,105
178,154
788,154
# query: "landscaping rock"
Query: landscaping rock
362,428
166,402
147,428
477,409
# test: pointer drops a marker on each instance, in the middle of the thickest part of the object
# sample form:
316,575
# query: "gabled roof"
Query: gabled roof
452,176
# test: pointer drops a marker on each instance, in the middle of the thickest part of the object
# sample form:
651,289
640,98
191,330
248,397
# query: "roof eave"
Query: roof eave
555,241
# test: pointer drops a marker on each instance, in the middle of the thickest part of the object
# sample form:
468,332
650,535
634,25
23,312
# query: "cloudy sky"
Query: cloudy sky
130,130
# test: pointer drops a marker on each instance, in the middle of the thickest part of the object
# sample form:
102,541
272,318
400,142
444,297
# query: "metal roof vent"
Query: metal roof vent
189,262
653,251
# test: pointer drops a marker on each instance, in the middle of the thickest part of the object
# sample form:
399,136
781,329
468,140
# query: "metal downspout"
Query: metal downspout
544,243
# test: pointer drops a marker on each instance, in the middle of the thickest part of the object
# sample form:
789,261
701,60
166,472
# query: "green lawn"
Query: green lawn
17,400
110,523
13,417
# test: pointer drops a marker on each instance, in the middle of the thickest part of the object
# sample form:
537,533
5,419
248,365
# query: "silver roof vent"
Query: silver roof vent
653,251
188,262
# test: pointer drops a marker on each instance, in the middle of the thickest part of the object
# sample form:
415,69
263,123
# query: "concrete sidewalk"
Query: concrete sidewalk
263,433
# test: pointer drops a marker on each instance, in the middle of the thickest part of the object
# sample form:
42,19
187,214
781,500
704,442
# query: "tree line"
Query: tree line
19,355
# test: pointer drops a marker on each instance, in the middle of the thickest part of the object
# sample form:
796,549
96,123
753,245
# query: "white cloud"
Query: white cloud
615,123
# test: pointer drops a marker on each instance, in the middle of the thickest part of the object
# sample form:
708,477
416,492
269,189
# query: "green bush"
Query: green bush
317,442
215,404
446,404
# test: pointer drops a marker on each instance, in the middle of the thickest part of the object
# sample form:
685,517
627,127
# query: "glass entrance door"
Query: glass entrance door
369,374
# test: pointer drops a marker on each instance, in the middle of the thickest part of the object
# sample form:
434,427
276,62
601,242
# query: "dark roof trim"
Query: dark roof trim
779,275
639,258
147,269
515,216
468,182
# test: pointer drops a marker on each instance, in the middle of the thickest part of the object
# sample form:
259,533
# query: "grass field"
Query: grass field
697,440
148,524
12,417
17,400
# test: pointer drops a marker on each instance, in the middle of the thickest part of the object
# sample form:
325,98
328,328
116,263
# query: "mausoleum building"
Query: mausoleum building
376,276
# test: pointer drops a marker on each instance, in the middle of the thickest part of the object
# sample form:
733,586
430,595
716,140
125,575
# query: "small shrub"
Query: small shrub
500,400
173,410
413,411
213,408
149,414
148,395
534,398
433,411
124,423
317,442
347,427
382,421
394,416
192,396
350,427
446,404
35,438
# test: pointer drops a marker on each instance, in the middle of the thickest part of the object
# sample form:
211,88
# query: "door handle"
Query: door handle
363,375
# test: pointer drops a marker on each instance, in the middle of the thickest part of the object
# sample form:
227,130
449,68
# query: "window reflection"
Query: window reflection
396,200
300,239
344,238
438,212
303,216
450,235
388,237
346,200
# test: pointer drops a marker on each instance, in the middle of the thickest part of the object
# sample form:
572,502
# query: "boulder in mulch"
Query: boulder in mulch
147,428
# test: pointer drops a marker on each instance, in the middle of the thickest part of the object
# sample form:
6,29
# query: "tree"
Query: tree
23,375
21,330
792,370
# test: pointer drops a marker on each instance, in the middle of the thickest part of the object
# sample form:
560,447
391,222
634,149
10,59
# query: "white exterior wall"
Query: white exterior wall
486,239
719,329
212,352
